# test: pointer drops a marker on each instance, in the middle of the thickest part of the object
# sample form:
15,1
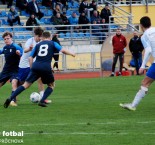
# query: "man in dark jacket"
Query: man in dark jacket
136,48
34,9
83,6
105,14
119,43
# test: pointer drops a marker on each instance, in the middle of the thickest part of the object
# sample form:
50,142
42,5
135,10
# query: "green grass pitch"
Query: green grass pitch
83,112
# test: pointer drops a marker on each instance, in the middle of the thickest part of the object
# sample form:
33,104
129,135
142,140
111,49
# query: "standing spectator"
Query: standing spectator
105,14
119,43
56,52
34,9
31,22
83,20
13,16
93,5
57,10
83,6
22,4
136,48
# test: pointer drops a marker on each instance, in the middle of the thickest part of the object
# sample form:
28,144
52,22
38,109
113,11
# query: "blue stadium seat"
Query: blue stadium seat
87,34
68,13
81,34
68,35
3,14
2,30
61,35
27,36
75,35
47,21
23,13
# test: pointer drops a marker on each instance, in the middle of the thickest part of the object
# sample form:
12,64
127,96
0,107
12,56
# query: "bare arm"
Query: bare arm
30,61
67,52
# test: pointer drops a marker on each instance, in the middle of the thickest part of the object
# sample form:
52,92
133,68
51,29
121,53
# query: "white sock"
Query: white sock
41,93
139,96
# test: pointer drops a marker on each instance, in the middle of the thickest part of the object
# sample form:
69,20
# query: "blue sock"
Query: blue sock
14,98
47,92
17,92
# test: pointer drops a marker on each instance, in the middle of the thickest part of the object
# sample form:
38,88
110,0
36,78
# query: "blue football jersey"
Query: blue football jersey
44,52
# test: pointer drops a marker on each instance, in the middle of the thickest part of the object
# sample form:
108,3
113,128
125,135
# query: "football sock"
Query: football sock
17,92
47,92
14,98
139,96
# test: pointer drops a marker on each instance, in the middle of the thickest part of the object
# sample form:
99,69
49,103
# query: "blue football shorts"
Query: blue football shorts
23,73
151,72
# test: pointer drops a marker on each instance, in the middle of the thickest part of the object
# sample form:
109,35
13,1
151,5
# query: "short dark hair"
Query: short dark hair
38,31
145,22
46,34
6,34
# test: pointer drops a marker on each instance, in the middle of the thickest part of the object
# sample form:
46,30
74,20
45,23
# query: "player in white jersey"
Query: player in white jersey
24,66
148,41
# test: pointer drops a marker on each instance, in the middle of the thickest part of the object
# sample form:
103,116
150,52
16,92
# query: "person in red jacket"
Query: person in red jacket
119,43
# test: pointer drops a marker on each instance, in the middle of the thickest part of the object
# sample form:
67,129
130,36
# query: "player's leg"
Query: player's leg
47,92
30,79
147,81
121,60
47,78
114,64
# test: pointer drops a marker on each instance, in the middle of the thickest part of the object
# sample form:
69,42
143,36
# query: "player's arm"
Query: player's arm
28,46
63,50
1,51
19,50
147,54
32,55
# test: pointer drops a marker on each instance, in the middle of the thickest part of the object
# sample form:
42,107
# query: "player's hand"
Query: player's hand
31,47
18,52
141,71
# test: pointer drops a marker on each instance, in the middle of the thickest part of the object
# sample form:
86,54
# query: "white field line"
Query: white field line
84,123
76,133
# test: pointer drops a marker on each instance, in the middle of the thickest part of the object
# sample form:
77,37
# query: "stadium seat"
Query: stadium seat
2,30
23,13
81,34
61,35
3,14
47,21
74,35
68,35
87,34
68,13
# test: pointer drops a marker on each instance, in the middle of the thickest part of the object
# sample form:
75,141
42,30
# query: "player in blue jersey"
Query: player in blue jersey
148,41
12,53
43,52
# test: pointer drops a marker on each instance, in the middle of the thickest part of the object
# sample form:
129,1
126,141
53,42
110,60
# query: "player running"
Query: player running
43,52
148,41
12,53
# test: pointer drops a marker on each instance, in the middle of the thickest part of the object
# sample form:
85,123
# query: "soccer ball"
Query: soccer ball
35,97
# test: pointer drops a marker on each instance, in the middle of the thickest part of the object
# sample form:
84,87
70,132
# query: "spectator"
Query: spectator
83,6
65,19
104,27
119,43
13,16
83,20
57,10
56,52
96,30
95,17
136,48
64,3
73,20
93,5
22,4
58,2
57,20
34,9
105,14
31,22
